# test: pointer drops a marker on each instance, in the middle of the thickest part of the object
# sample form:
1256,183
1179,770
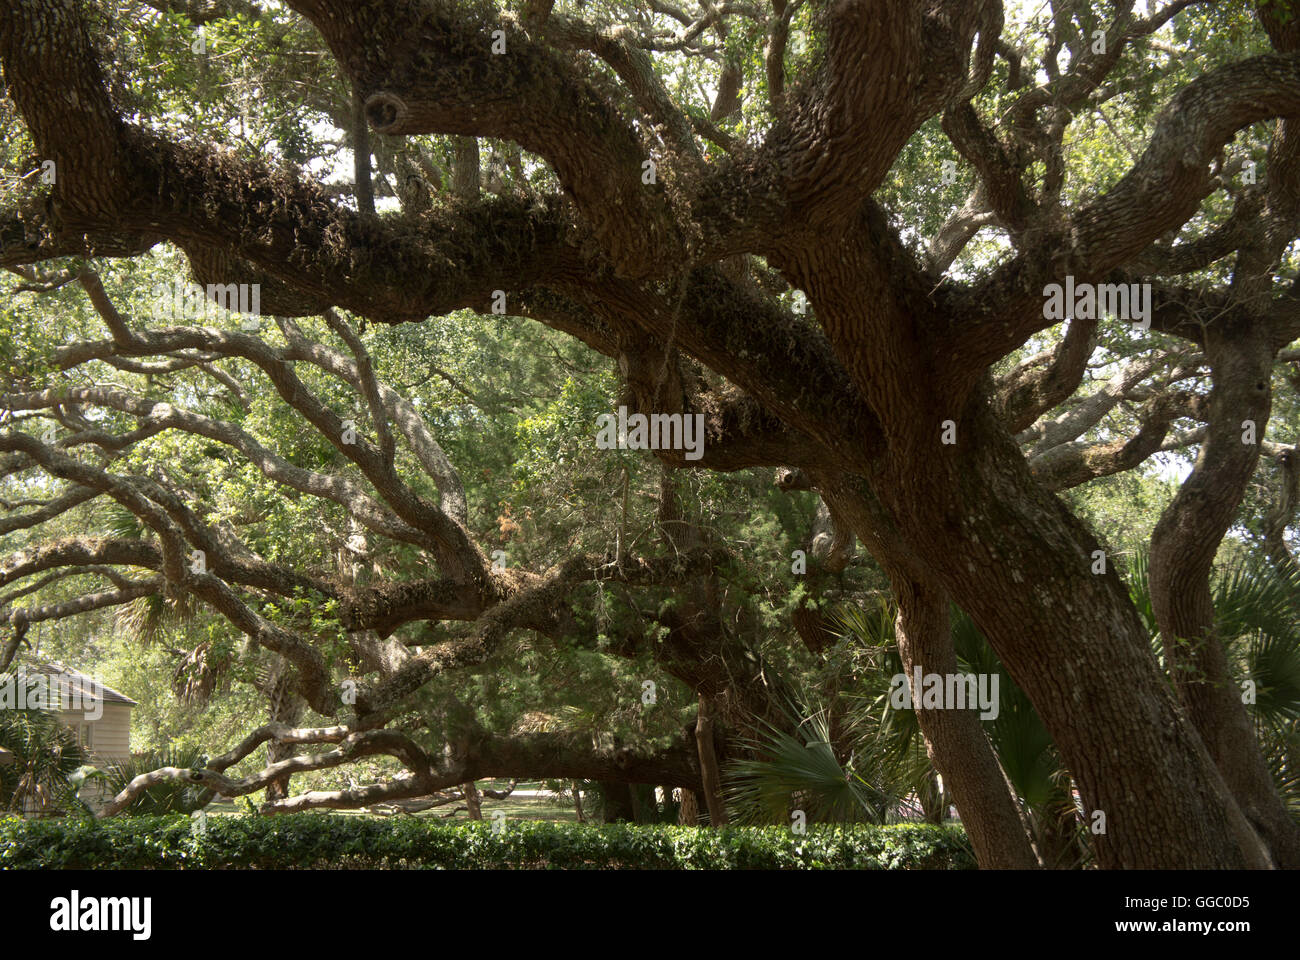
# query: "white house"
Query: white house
99,715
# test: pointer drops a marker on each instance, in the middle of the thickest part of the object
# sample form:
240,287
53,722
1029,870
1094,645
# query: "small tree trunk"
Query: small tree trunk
689,814
361,155
472,800
577,801
932,801
1279,516
954,739
709,763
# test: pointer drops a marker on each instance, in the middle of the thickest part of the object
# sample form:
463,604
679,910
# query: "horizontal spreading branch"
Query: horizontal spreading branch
534,756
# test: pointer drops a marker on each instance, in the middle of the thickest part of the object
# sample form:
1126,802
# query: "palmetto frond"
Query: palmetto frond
1281,747
1252,596
45,755
170,796
147,619
799,770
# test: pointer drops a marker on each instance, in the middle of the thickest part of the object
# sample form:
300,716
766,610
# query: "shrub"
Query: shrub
322,841
170,796
46,756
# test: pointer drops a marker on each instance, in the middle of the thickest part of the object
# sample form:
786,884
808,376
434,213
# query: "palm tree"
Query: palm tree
170,796
795,767
888,763
1257,618
42,775
843,755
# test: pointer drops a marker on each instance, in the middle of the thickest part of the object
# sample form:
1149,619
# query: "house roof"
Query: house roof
87,687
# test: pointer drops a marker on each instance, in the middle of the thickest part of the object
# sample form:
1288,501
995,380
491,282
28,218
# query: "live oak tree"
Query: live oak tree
722,200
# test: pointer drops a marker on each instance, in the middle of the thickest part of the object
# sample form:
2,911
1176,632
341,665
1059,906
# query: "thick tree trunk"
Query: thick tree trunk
1019,563
616,803
959,494
1006,551
1183,549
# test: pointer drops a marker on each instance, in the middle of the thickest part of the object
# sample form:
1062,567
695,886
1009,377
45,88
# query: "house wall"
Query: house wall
110,740
112,734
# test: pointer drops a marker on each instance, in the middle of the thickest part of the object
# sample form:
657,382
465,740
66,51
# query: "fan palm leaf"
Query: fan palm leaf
171,796
45,758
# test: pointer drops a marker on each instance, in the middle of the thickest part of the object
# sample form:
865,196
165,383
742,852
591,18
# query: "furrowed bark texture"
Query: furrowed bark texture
954,739
1183,548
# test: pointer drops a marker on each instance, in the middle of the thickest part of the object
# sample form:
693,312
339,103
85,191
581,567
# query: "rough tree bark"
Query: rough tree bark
1083,654
1183,548
894,358
689,814
954,739
286,707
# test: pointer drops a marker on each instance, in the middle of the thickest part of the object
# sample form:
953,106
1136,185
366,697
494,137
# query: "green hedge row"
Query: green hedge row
316,841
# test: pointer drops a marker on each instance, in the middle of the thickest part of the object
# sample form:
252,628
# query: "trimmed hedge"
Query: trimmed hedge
316,841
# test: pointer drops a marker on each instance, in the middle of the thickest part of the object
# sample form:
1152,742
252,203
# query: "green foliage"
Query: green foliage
170,796
1257,607
313,841
888,763
515,407
47,758
800,770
